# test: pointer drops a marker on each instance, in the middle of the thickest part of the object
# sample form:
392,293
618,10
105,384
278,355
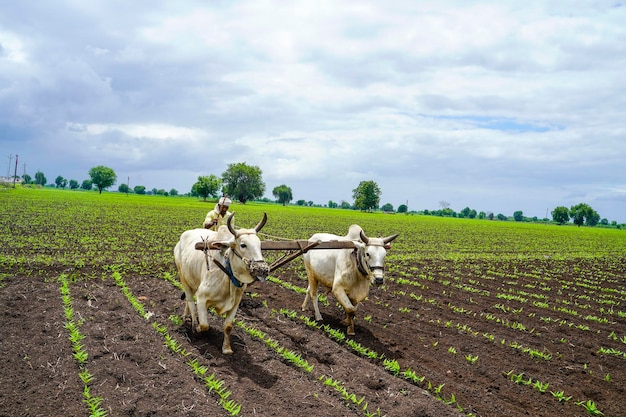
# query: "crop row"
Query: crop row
393,366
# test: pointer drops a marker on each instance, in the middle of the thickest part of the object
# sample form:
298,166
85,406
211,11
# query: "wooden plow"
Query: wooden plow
294,248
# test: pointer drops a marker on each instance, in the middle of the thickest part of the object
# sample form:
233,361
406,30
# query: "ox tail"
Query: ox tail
183,296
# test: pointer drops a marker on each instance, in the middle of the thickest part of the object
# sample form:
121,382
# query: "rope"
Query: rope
272,237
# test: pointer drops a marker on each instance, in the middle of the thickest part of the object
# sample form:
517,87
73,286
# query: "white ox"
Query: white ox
201,272
347,272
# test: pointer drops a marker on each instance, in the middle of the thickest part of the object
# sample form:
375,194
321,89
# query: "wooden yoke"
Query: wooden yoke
299,246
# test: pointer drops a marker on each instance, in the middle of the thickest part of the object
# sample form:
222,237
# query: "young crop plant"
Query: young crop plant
361,350
137,305
212,383
80,353
412,377
216,385
612,351
541,386
170,341
471,359
176,319
345,395
392,366
560,396
198,369
290,356
170,278
590,407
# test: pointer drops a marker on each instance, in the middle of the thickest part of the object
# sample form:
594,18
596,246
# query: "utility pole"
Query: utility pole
15,172
9,168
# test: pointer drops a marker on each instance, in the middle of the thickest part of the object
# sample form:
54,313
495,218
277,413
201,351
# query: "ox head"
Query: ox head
371,256
247,263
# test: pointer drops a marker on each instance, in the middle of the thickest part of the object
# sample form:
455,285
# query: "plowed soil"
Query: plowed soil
434,331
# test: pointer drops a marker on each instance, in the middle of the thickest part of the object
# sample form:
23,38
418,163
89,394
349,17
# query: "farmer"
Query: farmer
218,216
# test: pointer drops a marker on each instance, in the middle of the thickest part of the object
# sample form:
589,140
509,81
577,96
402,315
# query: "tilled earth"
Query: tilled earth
433,331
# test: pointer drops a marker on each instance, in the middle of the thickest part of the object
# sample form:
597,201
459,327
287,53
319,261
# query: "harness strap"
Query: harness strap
361,265
228,271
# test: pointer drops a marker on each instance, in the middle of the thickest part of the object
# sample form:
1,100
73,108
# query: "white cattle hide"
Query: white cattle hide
347,272
200,275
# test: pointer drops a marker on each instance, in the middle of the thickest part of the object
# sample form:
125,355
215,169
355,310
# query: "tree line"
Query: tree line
244,182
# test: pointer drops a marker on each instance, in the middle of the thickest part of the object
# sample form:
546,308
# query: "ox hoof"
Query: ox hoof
227,351
202,328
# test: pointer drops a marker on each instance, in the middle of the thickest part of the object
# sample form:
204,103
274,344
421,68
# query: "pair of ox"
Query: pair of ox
347,272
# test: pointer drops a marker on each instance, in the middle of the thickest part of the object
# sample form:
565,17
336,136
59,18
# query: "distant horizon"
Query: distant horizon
271,200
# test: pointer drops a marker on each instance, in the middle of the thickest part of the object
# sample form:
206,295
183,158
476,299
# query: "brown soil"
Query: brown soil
135,374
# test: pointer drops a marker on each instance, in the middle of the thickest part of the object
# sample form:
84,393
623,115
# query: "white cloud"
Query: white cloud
502,105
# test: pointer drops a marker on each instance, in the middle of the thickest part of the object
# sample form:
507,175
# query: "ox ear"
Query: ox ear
259,226
224,244
358,244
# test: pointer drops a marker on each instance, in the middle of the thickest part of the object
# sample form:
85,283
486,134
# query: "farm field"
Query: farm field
475,318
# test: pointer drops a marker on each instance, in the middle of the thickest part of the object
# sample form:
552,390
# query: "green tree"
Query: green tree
387,207
592,218
301,202
123,188
102,177
206,186
366,195
174,191
243,182
86,185
60,182
402,208
472,214
583,214
560,214
73,184
26,179
139,189
518,216
332,204
40,178
283,194
465,212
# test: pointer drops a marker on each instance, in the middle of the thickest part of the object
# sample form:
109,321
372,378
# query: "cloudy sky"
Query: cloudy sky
499,106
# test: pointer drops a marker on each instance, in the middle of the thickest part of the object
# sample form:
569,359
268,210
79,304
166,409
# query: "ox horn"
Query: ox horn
231,229
259,226
390,238
364,238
